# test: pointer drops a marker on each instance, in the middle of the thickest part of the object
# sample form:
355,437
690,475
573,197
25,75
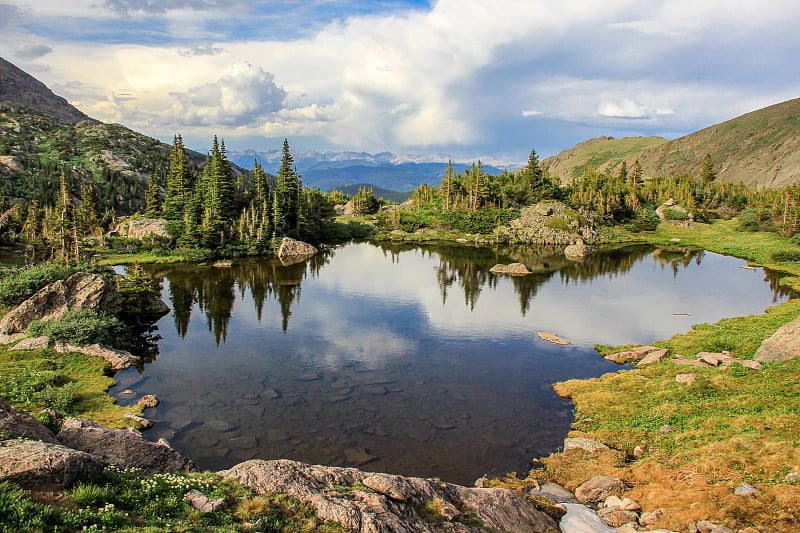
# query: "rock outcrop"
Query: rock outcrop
138,228
782,345
124,448
671,210
391,503
548,223
32,463
79,291
21,424
292,250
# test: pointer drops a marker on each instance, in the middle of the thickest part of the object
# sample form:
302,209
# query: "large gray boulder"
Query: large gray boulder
291,250
124,448
79,291
32,463
21,424
392,502
783,345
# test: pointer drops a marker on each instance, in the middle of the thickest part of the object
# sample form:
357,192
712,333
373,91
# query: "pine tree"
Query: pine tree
179,186
707,173
286,204
88,216
64,220
152,200
623,171
259,186
446,188
636,175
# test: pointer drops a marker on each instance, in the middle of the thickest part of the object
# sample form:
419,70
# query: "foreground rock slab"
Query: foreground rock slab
391,503
121,447
580,519
31,463
21,424
79,291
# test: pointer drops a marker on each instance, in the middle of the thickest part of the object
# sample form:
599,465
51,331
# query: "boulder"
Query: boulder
753,365
783,345
654,356
32,463
79,291
598,488
583,443
119,359
31,343
21,424
633,355
138,228
553,492
513,269
291,249
616,517
650,518
715,359
149,401
577,251
580,519
745,489
203,503
122,447
685,378
335,494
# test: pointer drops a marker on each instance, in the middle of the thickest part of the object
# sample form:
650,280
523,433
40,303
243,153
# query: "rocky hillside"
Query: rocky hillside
41,134
760,149
20,87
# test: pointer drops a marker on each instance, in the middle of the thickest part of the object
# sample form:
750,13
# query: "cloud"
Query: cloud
162,6
244,97
624,109
531,113
33,51
201,50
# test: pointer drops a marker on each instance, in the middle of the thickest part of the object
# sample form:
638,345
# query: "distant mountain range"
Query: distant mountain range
386,194
759,149
398,172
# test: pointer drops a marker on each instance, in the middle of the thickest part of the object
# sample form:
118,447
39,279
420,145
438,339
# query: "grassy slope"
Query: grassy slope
602,153
730,426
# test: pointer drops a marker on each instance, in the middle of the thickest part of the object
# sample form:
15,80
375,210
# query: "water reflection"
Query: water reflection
411,360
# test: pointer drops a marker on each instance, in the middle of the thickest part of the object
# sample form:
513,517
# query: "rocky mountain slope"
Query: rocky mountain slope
41,134
760,149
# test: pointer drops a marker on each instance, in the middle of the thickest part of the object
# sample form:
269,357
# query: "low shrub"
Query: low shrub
786,257
19,285
756,219
481,222
59,399
557,223
79,327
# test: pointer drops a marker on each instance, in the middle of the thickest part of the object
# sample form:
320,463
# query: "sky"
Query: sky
467,78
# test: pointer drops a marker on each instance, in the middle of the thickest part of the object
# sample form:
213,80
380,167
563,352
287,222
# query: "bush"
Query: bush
58,398
482,222
795,239
20,285
80,327
676,214
756,219
786,257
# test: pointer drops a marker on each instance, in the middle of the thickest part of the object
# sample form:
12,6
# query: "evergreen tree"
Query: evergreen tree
447,187
258,185
286,204
179,186
217,195
88,214
636,175
152,199
64,221
623,171
707,173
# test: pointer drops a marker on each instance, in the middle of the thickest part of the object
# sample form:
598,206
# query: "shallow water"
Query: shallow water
411,360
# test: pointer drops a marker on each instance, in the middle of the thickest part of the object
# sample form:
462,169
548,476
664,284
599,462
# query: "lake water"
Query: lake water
412,360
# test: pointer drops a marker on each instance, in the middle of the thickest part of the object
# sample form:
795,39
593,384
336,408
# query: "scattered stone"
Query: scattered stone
650,518
550,337
715,359
203,503
32,463
126,392
21,424
748,363
616,517
685,378
291,249
554,492
119,359
686,362
222,264
654,356
745,489
632,355
791,478
638,452
513,269
577,251
612,501
583,443
675,239
143,422
598,488
666,428
783,345
123,448
630,505
149,401
581,519
79,291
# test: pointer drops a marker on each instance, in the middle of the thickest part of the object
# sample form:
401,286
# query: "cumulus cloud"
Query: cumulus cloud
531,113
247,96
33,51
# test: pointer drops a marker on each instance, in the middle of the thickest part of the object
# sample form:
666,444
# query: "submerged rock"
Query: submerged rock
551,337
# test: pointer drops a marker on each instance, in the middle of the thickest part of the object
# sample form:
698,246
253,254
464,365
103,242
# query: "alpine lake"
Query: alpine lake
408,359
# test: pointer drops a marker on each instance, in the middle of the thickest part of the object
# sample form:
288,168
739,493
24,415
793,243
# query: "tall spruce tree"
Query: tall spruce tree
152,199
64,221
286,204
707,172
179,181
